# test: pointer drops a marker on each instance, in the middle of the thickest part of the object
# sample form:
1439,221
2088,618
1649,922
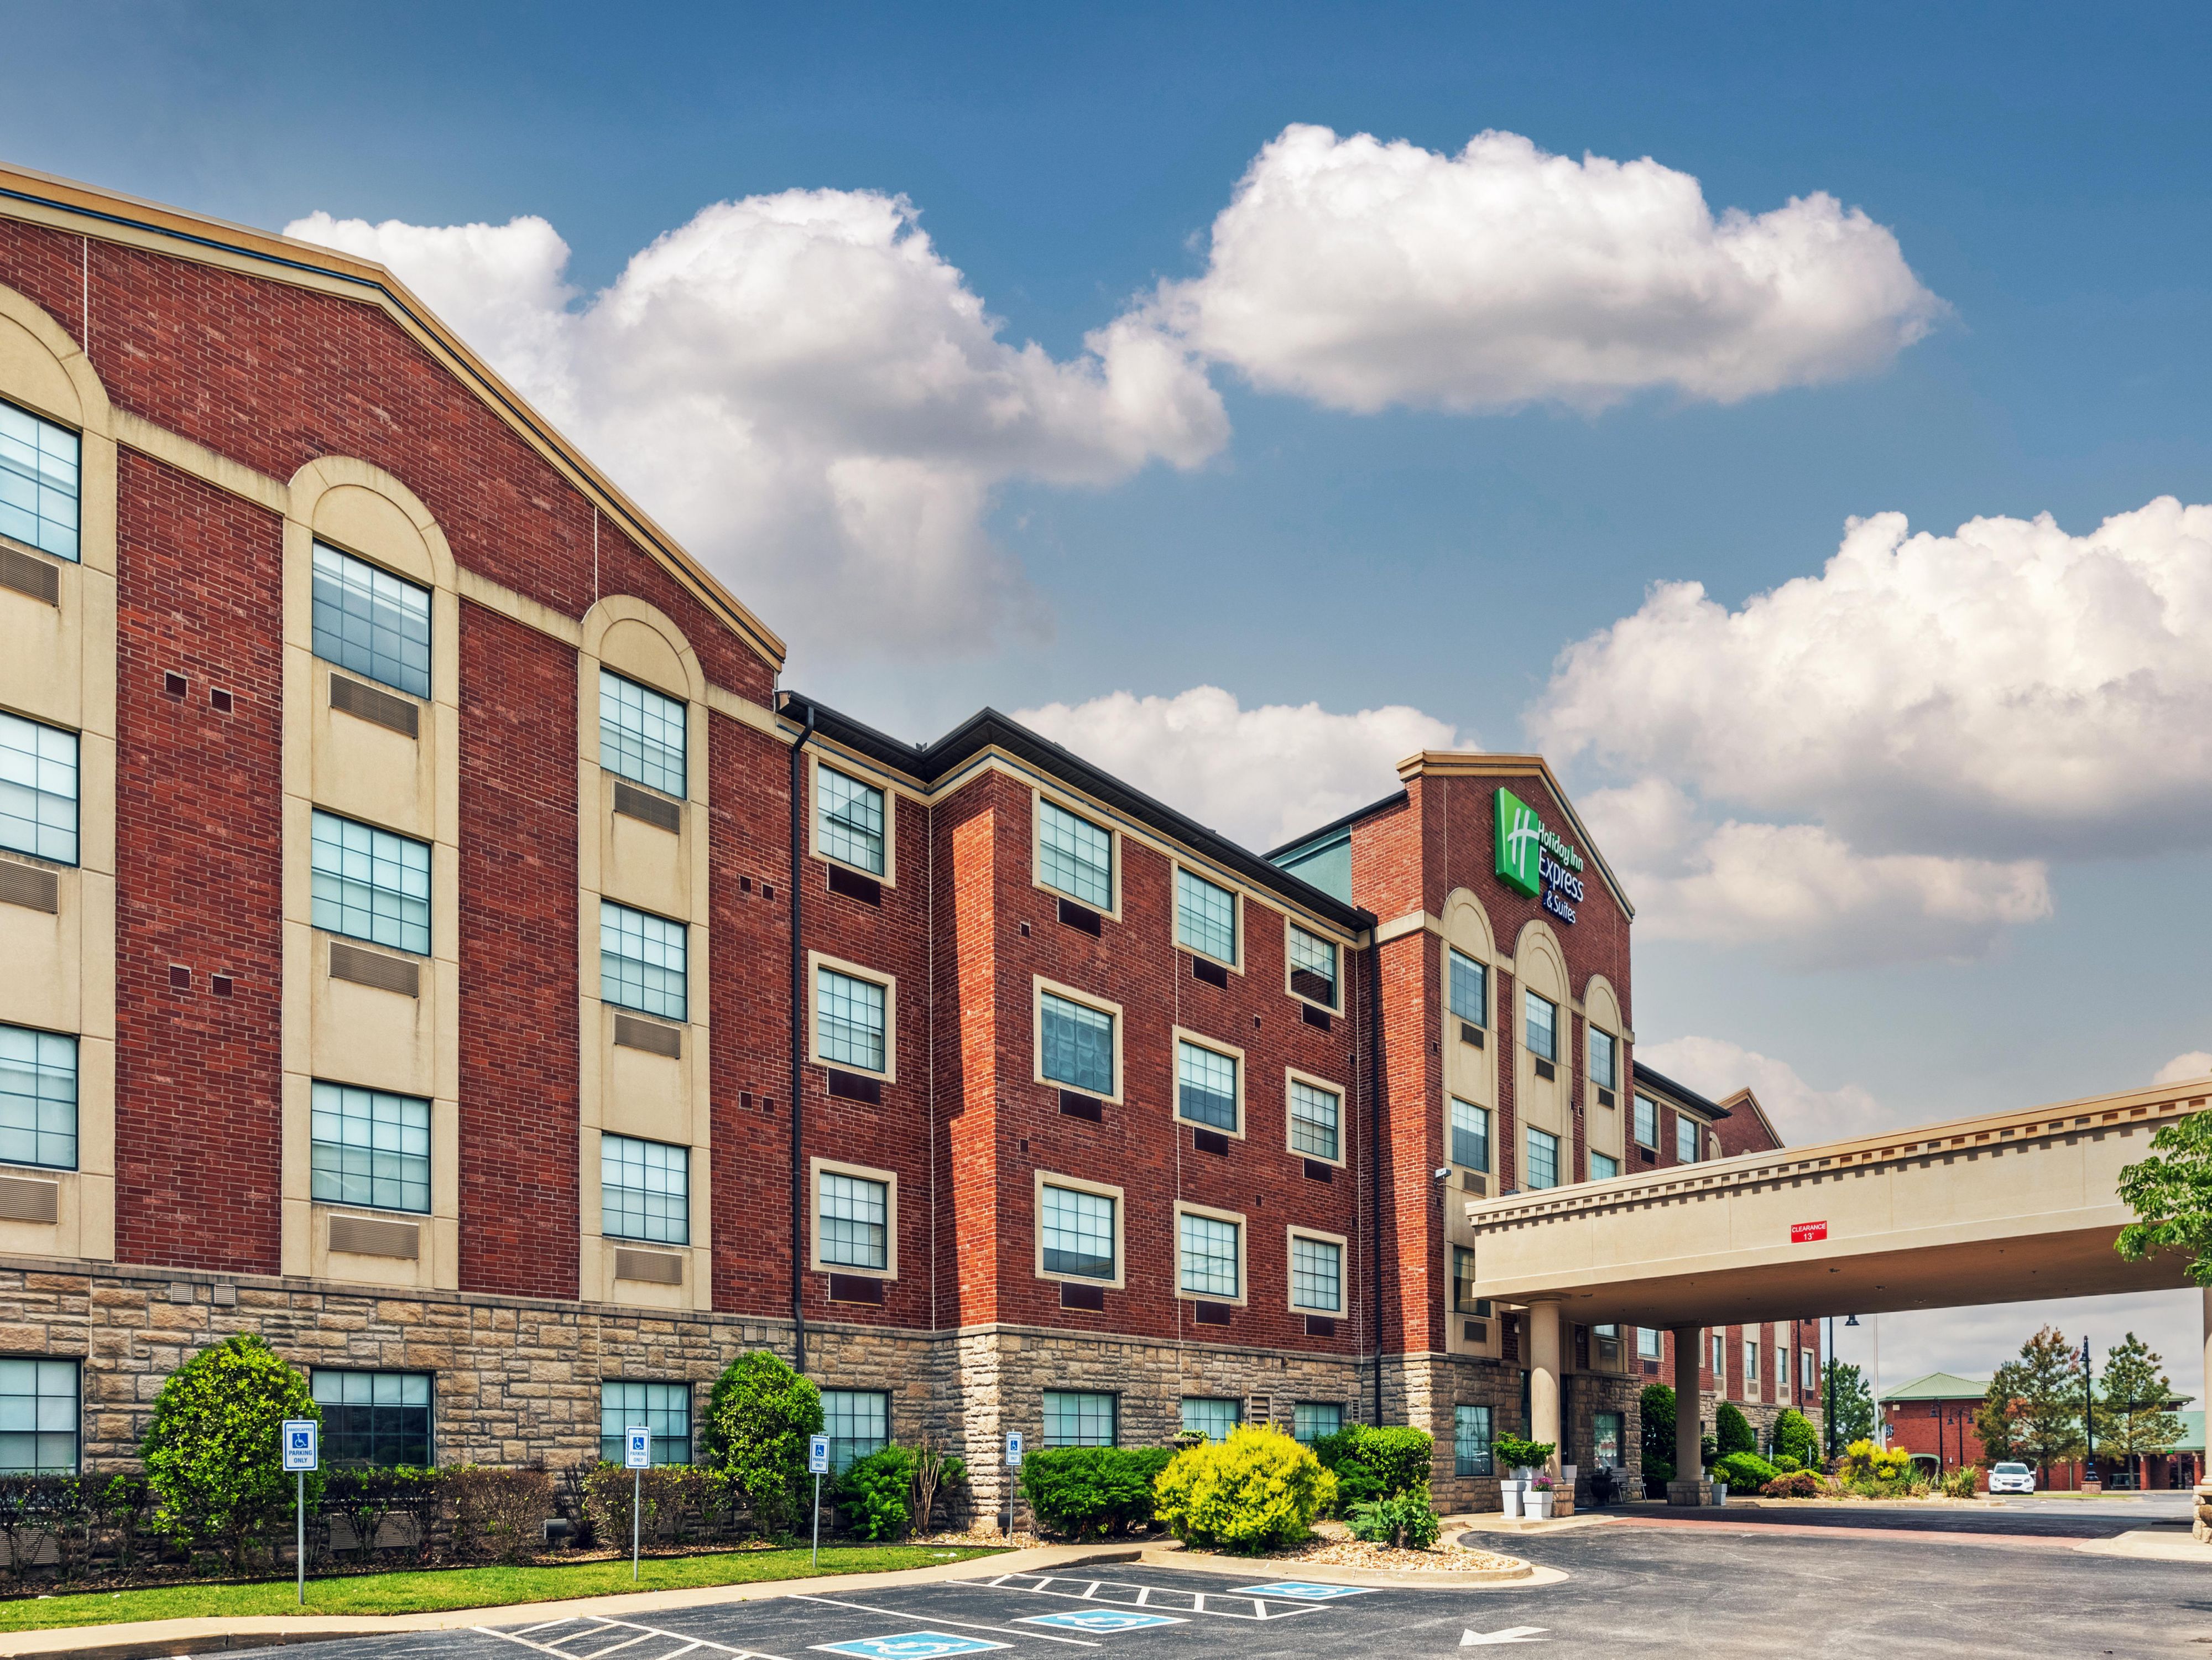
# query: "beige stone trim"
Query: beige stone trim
1043,1179
1183,1208
1292,1234
1070,805
1413,921
1314,1080
816,962
815,1170
1038,986
59,668
335,1030
1181,1035
197,461
889,874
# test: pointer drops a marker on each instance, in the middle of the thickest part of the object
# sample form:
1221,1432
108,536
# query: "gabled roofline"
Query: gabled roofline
928,764
1681,1094
1395,799
1476,763
109,216
1744,1098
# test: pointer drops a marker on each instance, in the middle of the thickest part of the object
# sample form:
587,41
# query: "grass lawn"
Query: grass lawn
431,1589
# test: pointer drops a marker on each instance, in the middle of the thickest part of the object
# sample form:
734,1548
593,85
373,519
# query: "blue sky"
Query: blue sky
2043,172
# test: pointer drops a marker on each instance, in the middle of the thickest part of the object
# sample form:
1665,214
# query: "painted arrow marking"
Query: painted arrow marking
1512,1634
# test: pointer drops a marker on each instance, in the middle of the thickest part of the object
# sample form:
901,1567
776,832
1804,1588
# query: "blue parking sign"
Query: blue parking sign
299,1445
637,1448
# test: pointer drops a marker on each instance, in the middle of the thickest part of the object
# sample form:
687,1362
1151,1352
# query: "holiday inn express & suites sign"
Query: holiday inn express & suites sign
1535,860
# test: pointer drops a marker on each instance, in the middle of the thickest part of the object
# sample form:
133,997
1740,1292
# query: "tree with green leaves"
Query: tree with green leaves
2132,1419
214,1450
1854,1407
758,1418
2033,1408
1658,1405
2170,1194
1795,1437
1732,1430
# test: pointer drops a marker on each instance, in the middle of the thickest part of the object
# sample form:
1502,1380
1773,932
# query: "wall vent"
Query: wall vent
1315,1017
1091,1298
26,575
647,808
856,1288
1318,1171
374,968
31,886
366,702
1605,1097
1210,1141
853,1086
1470,1033
1081,917
632,1033
853,885
652,1267
1545,1069
1211,973
22,1201
1319,1325
1210,1314
1082,1106
364,1236
1474,1182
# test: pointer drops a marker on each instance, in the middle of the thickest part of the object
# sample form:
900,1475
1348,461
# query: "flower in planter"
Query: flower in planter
1545,1483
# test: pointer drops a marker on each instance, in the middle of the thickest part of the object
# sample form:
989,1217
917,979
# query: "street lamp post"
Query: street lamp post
2088,1414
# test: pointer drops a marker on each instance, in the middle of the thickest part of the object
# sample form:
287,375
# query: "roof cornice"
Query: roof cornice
1474,763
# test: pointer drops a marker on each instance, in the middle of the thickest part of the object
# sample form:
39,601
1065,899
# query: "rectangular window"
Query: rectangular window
850,1016
38,1098
372,622
857,1421
1463,1298
641,961
1205,917
1605,1441
1603,1167
38,1416
1469,993
370,884
855,1222
1543,1022
38,788
1313,966
1078,1232
1751,1360
1686,1140
664,1408
1075,857
1471,1441
1470,1134
1073,1419
1605,1059
39,465
1647,1121
1206,1086
1075,1044
1316,1274
1311,1420
1782,1367
645,1190
1543,1159
1650,1343
1210,1418
369,1148
374,1418
1212,1253
1314,1116
852,819
1720,1356
1808,1371
641,735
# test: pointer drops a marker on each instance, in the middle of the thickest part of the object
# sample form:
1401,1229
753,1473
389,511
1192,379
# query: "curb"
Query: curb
1252,1568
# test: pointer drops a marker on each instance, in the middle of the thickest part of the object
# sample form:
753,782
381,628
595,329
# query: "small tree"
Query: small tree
1732,1430
1854,1407
1658,1407
1795,1437
1257,1489
2170,1194
213,1452
758,1418
934,1469
2033,1408
2132,1419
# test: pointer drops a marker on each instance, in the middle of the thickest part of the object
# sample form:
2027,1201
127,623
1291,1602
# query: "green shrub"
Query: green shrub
1371,1464
1086,1492
1255,1491
213,1452
1733,1431
1407,1521
1868,1465
1657,1403
1514,1453
1795,1437
874,1489
1785,1465
1746,1471
1658,1469
1959,1483
1796,1484
758,1418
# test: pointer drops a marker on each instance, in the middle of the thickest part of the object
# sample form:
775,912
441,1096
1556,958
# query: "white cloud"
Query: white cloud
2004,691
2185,1068
1258,776
811,398
1803,1115
1363,274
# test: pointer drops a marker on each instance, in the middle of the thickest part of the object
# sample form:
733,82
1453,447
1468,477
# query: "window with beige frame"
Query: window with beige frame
1209,1083
855,822
1210,1254
1074,855
1312,966
1208,919
852,1213
1313,1112
852,1017
1079,1231
1316,1263
1077,1040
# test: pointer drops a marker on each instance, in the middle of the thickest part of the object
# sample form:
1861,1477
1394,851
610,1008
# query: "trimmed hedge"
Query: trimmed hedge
1373,1464
875,1492
1255,1491
1087,1493
1798,1484
1746,1471
1733,1431
1795,1437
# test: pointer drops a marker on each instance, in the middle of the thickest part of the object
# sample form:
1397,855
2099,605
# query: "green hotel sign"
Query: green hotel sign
1535,860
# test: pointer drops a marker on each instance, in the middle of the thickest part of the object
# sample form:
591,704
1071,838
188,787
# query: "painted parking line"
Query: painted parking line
590,1636
1302,1590
1220,1605
964,1625
1100,1619
909,1646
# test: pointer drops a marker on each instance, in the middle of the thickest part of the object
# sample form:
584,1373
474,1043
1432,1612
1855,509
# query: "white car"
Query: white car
2011,1478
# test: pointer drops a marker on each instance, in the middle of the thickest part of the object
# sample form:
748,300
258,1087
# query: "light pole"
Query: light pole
2088,1414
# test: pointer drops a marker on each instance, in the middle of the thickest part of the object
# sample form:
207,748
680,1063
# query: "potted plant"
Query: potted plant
1540,1493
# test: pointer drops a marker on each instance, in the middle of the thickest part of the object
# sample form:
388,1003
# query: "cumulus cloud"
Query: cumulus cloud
805,391
1258,776
1363,274
2185,1068
2007,689
1804,1115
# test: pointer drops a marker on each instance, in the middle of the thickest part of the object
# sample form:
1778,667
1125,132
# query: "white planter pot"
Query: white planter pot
1719,1493
1508,1497
1539,1504
1567,1476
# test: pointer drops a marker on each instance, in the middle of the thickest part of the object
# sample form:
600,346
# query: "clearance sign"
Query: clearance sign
1535,860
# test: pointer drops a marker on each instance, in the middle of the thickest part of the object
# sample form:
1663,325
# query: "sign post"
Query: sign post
637,1453
299,1458
818,1463
1013,1463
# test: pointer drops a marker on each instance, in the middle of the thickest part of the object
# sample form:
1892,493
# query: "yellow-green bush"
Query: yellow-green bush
1256,1490
1864,1462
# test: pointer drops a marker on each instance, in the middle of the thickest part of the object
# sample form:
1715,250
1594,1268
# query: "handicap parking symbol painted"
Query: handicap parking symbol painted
1099,1620
909,1646
1302,1590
